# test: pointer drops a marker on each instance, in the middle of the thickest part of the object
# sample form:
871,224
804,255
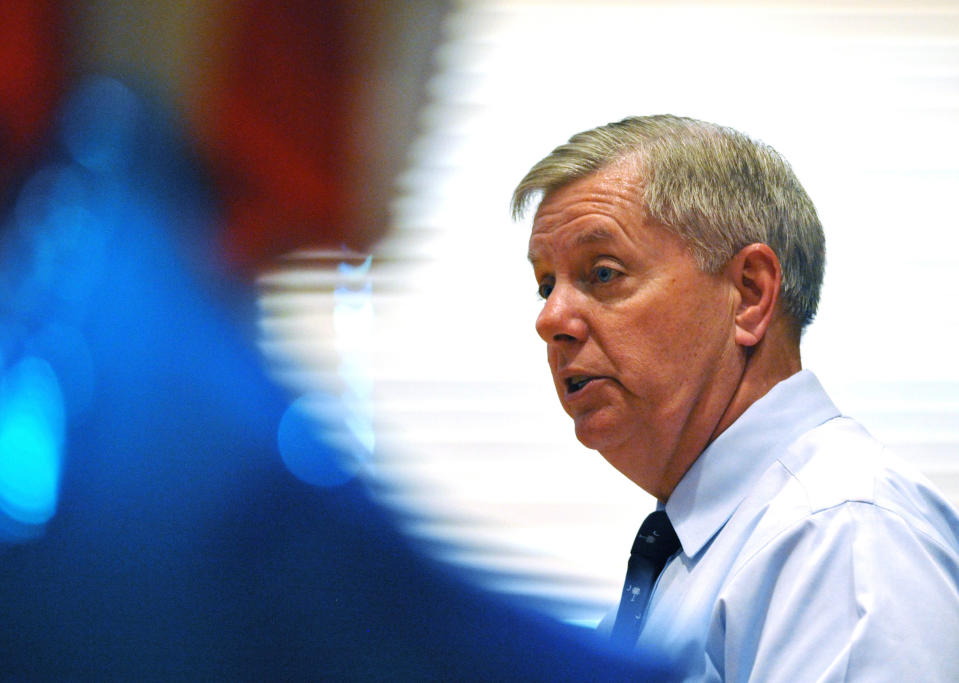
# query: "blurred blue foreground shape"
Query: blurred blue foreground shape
151,530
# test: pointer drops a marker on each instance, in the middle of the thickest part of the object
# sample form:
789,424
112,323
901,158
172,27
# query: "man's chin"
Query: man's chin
595,433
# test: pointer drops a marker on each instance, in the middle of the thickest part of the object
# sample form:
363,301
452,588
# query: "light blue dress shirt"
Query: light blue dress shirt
809,553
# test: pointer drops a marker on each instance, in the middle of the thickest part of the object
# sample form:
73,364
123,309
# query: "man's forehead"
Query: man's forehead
585,236
598,191
614,190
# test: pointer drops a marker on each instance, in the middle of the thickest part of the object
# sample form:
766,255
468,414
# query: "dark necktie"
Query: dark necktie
654,544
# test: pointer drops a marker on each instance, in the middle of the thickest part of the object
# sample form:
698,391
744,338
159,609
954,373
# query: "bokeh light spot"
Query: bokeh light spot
31,438
355,274
318,455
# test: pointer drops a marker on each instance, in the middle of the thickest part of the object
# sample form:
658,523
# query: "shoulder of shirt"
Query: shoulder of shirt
839,464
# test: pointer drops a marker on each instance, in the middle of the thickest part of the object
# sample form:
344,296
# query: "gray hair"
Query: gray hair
714,187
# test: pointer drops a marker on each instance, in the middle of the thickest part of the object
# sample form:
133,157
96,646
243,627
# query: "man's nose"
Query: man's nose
562,316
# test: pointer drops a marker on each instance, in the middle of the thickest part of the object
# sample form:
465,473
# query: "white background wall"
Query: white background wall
862,98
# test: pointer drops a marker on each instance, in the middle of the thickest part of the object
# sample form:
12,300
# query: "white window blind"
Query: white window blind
442,362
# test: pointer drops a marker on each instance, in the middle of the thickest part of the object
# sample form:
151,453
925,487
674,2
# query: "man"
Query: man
679,262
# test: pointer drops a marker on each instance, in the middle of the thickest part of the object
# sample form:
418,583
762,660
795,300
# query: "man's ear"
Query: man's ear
756,274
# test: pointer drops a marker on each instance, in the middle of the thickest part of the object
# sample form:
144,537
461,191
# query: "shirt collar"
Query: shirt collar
726,471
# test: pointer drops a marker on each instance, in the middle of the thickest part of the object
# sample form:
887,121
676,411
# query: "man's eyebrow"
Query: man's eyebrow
585,237
591,236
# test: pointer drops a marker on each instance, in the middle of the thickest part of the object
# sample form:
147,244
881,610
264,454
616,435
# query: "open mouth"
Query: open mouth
574,384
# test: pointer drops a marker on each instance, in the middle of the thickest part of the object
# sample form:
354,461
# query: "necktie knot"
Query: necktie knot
656,539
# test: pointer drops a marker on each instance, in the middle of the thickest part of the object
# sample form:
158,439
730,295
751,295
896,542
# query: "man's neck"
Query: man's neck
775,358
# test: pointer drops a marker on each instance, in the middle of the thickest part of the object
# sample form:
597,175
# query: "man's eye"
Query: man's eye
544,290
604,273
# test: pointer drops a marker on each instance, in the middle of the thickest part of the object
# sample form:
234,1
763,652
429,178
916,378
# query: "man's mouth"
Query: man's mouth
577,382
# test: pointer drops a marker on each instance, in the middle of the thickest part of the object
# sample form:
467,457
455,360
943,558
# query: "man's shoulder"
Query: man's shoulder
837,465
839,461
825,545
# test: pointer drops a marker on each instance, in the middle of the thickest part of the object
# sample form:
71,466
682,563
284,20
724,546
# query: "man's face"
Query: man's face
640,341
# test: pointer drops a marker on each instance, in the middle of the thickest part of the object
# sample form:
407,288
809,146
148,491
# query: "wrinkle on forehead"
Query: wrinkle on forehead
572,202
617,188
594,236
610,195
